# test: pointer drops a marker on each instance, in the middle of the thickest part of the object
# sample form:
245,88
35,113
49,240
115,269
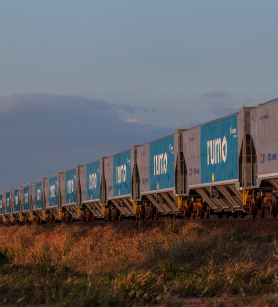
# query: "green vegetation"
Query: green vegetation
75,266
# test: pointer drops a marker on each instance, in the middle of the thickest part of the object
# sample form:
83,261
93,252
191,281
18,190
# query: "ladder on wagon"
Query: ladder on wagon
248,157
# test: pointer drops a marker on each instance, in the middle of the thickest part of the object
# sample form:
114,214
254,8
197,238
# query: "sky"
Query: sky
81,79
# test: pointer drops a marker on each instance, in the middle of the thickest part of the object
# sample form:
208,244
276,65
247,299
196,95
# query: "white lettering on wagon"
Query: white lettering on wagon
160,164
217,151
39,193
92,181
70,186
52,191
121,173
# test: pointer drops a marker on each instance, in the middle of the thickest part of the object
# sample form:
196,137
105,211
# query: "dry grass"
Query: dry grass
73,266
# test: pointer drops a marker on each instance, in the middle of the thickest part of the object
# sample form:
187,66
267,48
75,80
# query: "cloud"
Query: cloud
7,102
248,101
132,120
222,108
216,94
126,107
42,133
131,109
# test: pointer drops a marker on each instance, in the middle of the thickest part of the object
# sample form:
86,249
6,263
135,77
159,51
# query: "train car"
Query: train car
16,208
1,206
38,200
68,191
264,127
25,199
210,154
259,171
116,186
155,178
52,198
89,176
157,162
216,166
7,205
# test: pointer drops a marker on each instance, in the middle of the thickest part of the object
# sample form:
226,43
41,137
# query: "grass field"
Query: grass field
77,266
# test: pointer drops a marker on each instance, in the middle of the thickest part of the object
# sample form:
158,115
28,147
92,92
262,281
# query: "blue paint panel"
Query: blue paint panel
161,161
16,201
38,194
53,191
93,181
1,203
71,186
122,173
219,150
26,197
8,202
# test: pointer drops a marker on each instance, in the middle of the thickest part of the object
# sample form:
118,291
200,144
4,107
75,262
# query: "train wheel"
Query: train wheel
156,215
274,213
207,213
261,211
220,215
235,215
254,214
241,214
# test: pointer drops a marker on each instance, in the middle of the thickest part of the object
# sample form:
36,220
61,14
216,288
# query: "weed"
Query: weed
169,268
172,226
3,258
240,236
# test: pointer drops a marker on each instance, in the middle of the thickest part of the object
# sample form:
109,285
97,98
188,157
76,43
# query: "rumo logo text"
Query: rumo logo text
217,151
160,164
39,193
121,173
70,186
52,191
92,181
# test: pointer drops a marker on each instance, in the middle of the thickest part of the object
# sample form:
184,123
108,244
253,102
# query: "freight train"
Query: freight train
224,168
